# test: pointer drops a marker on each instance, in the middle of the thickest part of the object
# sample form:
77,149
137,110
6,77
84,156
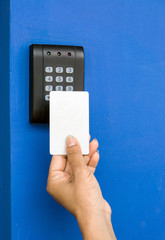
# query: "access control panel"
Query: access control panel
53,68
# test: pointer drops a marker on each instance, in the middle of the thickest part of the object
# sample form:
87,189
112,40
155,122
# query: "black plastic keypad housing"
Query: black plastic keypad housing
53,68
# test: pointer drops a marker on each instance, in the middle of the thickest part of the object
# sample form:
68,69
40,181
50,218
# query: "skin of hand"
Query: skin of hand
71,182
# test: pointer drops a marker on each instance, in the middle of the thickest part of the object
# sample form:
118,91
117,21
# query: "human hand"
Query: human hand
71,182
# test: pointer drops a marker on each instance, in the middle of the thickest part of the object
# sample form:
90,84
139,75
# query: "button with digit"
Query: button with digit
69,70
69,79
59,88
47,97
49,69
59,69
48,78
59,79
69,88
48,88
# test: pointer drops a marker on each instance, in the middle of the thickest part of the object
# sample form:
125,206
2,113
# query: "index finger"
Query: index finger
58,163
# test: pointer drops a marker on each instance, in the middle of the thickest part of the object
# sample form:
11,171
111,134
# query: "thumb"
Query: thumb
74,154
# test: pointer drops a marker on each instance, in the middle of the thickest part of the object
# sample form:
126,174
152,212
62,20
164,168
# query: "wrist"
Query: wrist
94,225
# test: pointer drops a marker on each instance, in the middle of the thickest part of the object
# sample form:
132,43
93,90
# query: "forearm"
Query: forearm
110,228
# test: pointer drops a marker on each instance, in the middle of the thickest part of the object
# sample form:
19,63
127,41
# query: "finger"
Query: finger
89,137
92,169
93,145
74,154
68,168
58,163
94,160
86,158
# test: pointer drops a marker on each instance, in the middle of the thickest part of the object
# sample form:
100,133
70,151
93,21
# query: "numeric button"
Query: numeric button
48,69
69,88
59,88
47,97
48,88
69,79
48,78
69,70
59,69
59,79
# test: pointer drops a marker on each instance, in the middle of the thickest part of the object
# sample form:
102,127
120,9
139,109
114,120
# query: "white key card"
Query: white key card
69,115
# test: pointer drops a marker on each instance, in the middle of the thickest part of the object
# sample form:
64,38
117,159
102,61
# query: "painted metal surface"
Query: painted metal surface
124,43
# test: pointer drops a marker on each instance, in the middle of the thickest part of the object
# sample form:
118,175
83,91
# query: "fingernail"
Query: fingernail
70,141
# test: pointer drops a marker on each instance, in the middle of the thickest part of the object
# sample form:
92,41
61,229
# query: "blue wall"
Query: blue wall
124,44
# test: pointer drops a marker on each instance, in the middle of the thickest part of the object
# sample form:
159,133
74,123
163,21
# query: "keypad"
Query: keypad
54,68
60,78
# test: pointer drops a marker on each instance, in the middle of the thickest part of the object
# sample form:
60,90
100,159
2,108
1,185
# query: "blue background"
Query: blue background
124,43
